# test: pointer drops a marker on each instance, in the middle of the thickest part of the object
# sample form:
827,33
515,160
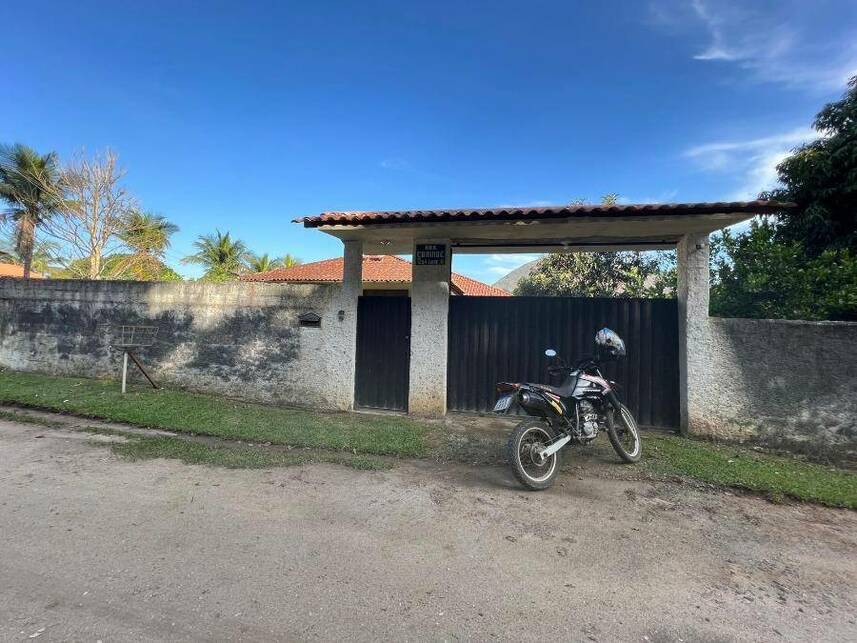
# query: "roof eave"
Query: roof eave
544,213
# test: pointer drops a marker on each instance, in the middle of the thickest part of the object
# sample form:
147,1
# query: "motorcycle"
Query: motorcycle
584,405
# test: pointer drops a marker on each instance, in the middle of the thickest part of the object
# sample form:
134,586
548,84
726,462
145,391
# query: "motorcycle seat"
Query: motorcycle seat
563,391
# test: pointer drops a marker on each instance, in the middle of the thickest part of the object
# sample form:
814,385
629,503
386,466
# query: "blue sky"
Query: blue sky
242,116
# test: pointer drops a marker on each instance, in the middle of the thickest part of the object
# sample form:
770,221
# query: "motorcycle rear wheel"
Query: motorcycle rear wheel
624,435
527,437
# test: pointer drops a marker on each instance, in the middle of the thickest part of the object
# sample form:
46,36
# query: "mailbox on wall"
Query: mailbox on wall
309,320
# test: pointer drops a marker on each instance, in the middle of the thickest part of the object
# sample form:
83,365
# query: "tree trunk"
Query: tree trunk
95,264
26,235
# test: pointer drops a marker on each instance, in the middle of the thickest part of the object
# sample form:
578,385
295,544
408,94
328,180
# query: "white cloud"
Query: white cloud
771,45
499,271
501,265
753,162
717,49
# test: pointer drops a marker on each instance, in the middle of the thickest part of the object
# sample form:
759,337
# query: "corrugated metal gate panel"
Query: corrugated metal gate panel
494,339
383,352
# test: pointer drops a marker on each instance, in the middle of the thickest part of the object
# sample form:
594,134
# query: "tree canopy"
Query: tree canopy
821,177
599,274
756,274
27,185
263,263
222,257
46,257
147,236
120,267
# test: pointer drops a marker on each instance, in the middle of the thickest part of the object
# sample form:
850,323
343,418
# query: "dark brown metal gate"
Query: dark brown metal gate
494,339
383,352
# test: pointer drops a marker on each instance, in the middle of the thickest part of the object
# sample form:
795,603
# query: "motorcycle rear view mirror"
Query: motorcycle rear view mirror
550,352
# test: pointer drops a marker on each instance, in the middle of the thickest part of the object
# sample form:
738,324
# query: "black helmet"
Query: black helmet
608,345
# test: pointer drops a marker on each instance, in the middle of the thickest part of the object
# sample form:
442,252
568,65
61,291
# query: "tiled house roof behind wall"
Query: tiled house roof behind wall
376,269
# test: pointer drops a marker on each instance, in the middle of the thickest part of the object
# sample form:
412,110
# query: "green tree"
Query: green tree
263,263
289,261
147,236
28,183
611,198
116,266
598,274
46,257
757,274
821,177
223,257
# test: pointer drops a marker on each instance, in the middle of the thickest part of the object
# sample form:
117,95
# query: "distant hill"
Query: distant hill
511,279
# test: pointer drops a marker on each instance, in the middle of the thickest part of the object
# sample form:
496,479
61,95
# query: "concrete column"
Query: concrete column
692,255
352,288
429,323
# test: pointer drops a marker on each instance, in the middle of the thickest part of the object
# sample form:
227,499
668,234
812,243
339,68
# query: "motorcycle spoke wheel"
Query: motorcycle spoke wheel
533,471
625,435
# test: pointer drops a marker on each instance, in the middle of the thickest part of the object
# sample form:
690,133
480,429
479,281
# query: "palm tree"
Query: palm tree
45,257
288,261
148,237
28,184
222,257
263,263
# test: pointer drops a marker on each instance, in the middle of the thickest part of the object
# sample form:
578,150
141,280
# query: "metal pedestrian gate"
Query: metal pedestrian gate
495,339
383,352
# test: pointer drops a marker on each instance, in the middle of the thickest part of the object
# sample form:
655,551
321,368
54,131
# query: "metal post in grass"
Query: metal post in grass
132,338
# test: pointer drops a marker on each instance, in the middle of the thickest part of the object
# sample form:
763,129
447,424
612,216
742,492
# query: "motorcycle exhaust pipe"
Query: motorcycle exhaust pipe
536,404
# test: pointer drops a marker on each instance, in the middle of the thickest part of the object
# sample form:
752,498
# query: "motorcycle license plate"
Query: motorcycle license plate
503,404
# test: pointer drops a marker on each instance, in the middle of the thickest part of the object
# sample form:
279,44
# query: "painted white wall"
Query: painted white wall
692,258
429,315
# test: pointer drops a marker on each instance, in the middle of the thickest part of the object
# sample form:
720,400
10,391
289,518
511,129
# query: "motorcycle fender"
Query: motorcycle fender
614,401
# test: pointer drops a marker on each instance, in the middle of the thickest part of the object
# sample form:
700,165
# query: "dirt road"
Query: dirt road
96,548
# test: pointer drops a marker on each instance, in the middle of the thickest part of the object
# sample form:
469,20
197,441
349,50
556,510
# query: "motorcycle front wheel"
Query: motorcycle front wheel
624,435
528,438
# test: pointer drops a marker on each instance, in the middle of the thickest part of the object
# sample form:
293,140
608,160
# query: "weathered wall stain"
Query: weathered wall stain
788,384
240,339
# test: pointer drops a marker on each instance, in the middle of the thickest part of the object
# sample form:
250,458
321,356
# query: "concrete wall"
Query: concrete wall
692,294
429,334
790,384
241,339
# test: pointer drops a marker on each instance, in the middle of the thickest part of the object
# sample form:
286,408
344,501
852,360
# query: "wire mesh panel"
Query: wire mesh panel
131,336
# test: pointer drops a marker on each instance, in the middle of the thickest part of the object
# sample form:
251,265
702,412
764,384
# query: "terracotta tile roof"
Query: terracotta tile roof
550,212
376,269
474,288
14,270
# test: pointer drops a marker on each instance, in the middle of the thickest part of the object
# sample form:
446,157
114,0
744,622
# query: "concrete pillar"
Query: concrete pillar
692,255
429,323
352,288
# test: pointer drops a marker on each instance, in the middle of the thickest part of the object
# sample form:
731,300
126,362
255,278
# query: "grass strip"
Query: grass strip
777,476
351,436
235,457
200,414
25,418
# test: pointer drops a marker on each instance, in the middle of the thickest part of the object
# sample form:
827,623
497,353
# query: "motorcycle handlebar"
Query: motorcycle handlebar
581,365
